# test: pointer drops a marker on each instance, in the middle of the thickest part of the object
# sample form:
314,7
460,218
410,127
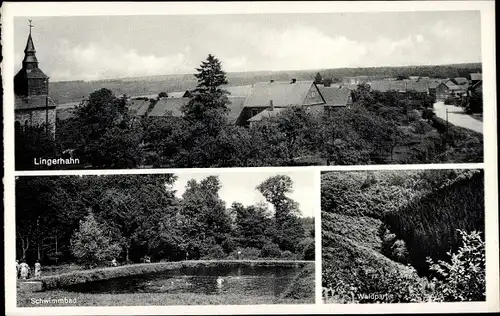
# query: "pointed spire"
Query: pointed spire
30,60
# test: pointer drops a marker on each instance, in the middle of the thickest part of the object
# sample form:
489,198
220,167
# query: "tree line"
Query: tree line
92,219
381,127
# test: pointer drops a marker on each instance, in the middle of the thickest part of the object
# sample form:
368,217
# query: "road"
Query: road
457,117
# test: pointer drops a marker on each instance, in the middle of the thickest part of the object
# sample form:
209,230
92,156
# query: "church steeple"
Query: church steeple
30,80
30,61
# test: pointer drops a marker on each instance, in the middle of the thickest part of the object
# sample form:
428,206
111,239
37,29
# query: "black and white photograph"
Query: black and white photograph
403,236
250,157
234,238
248,90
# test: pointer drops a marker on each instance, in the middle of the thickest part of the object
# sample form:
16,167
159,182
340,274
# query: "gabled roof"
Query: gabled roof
267,113
433,84
137,105
461,80
335,96
168,107
179,94
238,91
476,76
172,107
451,85
282,93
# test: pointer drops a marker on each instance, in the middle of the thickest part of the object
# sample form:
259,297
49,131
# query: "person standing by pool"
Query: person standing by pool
114,263
24,270
219,282
38,269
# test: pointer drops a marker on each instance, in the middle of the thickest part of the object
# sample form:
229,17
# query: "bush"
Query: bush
288,255
464,279
214,252
309,252
91,246
270,250
427,114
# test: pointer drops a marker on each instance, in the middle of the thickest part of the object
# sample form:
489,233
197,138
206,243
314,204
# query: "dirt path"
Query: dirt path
458,117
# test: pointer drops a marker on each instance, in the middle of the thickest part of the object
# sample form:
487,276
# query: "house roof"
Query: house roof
433,84
238,91
134,105
33,102
168,107
476,76
283,93
172,107
461,80
335,96
179,94
451,85
267,113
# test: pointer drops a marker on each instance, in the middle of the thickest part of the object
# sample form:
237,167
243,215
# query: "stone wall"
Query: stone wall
37,117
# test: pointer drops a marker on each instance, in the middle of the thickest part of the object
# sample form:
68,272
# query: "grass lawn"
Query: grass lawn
29,299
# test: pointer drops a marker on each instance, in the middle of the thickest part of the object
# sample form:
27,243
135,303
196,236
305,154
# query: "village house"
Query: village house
32,104
448,89
267,99
336,97
475,78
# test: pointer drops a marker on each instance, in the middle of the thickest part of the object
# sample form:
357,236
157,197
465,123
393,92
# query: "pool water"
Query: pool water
259,281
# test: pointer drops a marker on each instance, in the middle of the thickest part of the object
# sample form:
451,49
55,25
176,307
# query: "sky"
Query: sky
241,187
99,47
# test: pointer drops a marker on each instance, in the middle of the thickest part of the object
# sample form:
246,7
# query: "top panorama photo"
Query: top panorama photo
201,91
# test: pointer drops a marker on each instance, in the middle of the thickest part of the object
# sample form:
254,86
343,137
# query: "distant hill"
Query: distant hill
71,91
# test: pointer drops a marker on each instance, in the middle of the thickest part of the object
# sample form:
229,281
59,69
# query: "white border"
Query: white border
490,162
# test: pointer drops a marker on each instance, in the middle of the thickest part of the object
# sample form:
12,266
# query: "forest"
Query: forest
89,220
380,128
417,236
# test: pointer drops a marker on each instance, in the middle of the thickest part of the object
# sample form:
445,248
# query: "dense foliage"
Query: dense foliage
464,279
439,214
139,215
379,227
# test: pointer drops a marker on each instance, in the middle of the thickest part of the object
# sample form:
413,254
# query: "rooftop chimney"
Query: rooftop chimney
271,105
294,80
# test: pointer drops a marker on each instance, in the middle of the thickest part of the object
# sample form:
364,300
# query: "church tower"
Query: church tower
33,107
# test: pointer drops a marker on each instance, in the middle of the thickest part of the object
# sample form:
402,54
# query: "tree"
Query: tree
318,79
32,142
289,230
109,138
250,225
327,82
208,96
464,278
162,95
91,245
204,220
